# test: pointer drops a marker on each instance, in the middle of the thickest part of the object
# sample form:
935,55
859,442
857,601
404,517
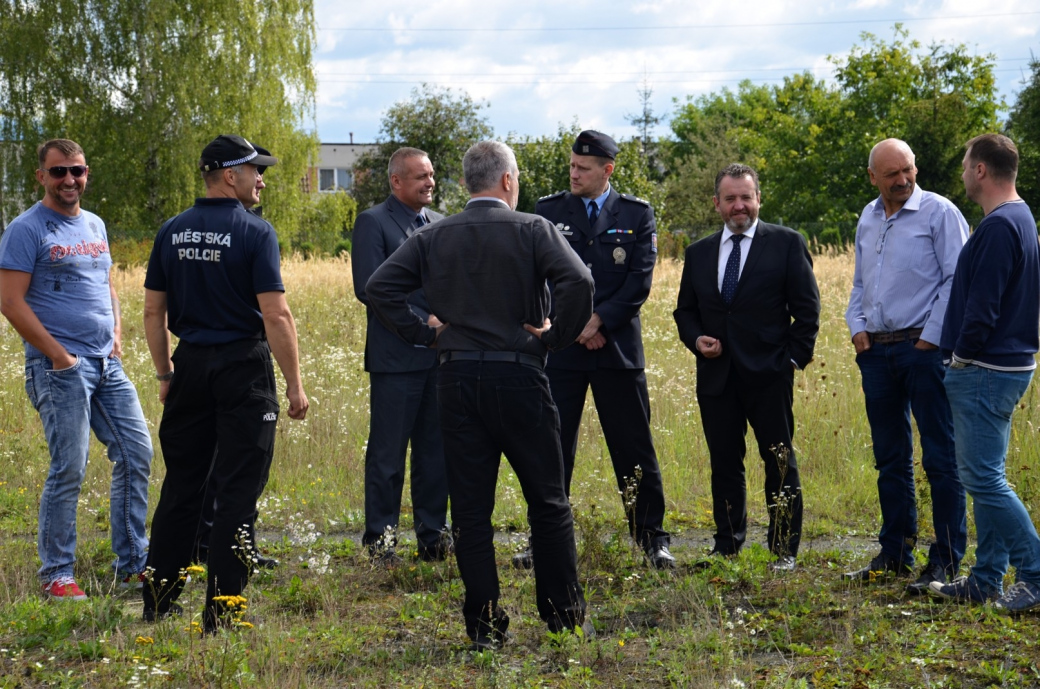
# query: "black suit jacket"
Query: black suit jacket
378,232
621,251
774,317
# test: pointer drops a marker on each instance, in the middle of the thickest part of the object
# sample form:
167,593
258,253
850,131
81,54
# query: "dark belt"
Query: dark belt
496,357
896,336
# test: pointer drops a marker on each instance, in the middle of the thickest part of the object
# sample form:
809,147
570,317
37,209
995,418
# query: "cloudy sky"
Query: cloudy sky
538,63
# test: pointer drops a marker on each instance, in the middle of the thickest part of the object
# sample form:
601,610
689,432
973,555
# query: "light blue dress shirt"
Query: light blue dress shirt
600,200
905,265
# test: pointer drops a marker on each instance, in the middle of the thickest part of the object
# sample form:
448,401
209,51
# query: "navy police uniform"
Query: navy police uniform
211,261
620,250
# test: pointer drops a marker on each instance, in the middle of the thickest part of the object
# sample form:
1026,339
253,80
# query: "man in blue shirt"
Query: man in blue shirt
907,243
56,290
990,337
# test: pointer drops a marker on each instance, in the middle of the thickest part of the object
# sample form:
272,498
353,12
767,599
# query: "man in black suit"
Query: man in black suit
615,236
484,271
749,309
402,376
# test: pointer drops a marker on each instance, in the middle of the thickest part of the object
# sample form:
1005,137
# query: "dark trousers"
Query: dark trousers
490,409
404,407
898,378
623,404
209,508
725,419
222,395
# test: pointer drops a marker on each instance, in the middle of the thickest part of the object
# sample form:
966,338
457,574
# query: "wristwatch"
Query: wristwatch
165,376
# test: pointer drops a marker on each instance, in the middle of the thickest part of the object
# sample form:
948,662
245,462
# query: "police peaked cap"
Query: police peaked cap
228,150
593,143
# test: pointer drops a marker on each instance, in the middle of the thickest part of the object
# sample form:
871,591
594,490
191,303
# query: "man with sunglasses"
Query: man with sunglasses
56,290
214,280
907,244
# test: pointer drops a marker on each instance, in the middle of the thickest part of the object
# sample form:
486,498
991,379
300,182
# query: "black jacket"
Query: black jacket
774,317
621,251
484,273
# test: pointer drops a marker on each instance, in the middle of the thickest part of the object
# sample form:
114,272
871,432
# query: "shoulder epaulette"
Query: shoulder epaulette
552,196
636,199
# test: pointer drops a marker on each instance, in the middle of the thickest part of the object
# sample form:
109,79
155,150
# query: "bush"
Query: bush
343,246
326,221
131,252
830,236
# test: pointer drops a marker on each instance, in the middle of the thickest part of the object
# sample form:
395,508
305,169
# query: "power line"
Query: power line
604,79
670,27
417,75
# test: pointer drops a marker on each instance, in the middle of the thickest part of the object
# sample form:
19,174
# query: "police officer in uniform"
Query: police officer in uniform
258,560
214,277
615,236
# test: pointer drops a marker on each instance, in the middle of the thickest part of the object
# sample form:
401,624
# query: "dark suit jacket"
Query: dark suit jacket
774,317
378,232
622,264
484,271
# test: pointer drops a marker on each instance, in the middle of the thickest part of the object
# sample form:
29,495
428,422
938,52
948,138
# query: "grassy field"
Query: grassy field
327,618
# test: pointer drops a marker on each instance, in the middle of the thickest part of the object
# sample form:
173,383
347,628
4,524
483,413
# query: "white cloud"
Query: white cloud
536,79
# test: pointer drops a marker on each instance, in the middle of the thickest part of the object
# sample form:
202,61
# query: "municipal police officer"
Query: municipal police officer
615,236
214,278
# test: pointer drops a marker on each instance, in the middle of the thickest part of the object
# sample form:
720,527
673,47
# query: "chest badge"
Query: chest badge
565,230
619,256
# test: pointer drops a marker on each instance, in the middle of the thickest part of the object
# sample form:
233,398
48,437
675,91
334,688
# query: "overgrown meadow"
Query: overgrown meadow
328,618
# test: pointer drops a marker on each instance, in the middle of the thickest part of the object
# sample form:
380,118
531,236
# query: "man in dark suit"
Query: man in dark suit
402,376
615,236
750,314
484,271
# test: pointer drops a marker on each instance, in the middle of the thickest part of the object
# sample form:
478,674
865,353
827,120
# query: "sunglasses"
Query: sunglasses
59,171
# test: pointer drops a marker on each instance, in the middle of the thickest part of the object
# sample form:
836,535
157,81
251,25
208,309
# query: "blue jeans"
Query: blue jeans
982,401
93,394
899,378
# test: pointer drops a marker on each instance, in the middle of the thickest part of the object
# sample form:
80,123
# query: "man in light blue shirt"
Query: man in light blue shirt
907,244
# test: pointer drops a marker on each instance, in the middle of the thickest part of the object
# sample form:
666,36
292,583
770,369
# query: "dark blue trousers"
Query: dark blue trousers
897,379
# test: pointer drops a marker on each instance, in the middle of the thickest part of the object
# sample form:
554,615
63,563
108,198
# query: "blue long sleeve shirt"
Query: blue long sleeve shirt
904,265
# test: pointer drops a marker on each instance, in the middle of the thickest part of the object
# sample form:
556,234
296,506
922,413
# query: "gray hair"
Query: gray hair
899,143
484,164
211,177
396,164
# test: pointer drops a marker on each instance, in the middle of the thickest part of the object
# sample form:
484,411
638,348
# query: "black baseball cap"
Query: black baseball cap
228,150
264,152
593,143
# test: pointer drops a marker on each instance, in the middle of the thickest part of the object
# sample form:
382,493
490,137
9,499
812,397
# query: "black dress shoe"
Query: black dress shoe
437,552
660,557
175,610
881,566
524,559
264,562
933,571
491,637
783,563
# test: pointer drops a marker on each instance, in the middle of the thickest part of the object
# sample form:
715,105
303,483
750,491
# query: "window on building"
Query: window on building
334,179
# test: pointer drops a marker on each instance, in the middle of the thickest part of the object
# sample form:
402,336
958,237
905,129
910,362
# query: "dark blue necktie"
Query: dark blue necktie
593,213
732,274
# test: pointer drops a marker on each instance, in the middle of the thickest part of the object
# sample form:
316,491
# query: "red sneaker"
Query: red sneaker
64,588
132,581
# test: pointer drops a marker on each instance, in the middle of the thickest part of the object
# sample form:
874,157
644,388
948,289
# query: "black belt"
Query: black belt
896,336
496,357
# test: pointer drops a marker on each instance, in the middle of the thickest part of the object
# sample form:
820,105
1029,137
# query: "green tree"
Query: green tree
143,85
437,120
1024,127
544,164
809,140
